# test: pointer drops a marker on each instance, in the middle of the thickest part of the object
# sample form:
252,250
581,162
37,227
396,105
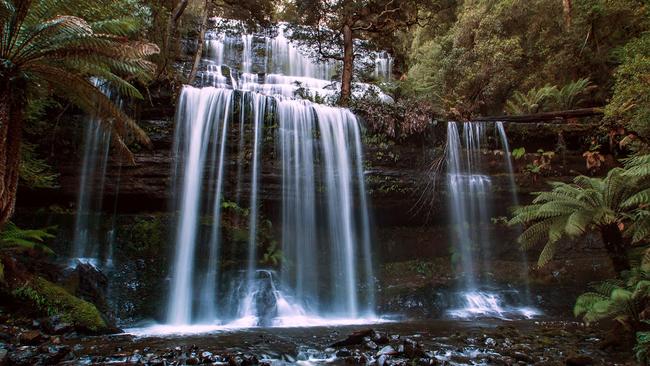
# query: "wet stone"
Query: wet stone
371,345
30,337
387,350
343,352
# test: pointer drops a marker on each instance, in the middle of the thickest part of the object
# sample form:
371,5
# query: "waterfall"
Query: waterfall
383,66
203,116
326,270
470,200
468,192
87,229
515,198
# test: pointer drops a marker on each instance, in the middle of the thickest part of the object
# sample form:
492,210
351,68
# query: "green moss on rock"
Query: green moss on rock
55,300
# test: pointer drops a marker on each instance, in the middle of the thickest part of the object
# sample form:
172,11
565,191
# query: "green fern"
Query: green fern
13,237
570,210
47,48
35,172
642,347
620,299
531,102
571,95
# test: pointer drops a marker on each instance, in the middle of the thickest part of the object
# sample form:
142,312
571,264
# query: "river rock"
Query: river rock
23,355
519,356
387,350
354,338
380,338
343,352
490,342
30,337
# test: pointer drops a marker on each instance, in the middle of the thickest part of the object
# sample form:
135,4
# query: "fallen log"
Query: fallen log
557,116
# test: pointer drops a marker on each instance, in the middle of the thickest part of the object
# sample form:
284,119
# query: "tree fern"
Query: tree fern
531,102
47,46
638,166
571,95
13,237
570,210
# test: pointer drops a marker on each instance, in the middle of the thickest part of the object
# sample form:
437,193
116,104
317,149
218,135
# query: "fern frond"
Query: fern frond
14,237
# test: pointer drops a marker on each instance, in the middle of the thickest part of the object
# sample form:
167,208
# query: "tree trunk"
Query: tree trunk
199,49
168,49
10,138
613,240
557,116
348,66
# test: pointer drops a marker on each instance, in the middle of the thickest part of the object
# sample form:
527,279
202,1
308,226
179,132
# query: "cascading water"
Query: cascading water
470,191
87,230
383,66
326,272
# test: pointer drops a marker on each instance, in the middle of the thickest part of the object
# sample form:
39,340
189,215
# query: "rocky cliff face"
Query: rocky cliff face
407,197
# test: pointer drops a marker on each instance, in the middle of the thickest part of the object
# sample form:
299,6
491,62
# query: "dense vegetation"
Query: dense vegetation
454,59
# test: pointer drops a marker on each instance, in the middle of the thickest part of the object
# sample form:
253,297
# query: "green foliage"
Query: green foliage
35,172
540,165
642,347
549,98
399,120
571,95
623,300
147,235
47,48
518,153
272,256
531,102
235,208
471,61
571,210
630,103
51,299
13,237
499,220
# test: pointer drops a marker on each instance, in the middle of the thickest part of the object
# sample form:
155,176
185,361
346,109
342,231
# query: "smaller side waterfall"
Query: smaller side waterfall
383,66
470,200
88,236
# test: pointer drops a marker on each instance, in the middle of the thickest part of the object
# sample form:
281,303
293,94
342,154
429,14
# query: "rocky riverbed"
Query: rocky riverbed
439,342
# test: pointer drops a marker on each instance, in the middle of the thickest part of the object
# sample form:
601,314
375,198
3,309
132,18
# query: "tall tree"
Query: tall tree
43,50
250,11
333,27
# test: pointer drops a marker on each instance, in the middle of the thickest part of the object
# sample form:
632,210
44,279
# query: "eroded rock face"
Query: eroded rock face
407,199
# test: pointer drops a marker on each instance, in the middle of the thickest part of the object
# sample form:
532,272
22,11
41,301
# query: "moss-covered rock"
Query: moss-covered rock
52,299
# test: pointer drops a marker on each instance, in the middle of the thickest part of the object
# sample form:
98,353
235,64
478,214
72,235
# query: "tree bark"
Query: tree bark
348,66
199,49
613,240
172,24
10,139
557,116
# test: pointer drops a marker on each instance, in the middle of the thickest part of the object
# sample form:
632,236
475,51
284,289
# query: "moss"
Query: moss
54,300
